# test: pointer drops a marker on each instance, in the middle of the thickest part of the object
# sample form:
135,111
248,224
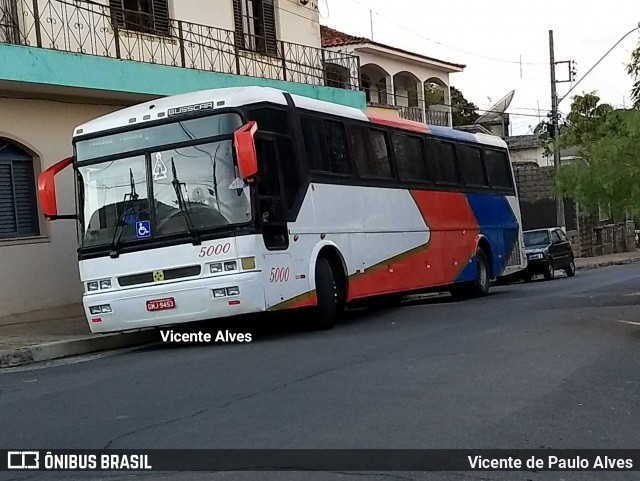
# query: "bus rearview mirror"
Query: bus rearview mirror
47,190
246,150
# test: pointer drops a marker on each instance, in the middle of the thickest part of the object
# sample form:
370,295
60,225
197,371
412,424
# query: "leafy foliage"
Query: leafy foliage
433,94
633,69
463,111
606,171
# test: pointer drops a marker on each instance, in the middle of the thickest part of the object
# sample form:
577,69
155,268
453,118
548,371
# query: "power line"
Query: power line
635,29
403,27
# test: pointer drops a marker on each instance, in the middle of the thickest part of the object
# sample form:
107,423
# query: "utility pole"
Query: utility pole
371,21
560,220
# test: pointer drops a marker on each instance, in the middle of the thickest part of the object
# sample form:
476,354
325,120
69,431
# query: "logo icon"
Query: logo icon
159,168
158,276
143,229
23,460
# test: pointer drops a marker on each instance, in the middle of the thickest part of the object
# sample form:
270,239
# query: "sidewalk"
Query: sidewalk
56,333
584,263
62,332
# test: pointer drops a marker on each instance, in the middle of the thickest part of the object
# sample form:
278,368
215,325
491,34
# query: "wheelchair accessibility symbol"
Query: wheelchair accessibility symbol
143,229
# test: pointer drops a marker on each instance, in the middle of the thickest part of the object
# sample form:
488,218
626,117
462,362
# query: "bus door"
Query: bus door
272,218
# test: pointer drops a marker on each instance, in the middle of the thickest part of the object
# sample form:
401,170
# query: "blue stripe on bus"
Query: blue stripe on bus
452,133
498,224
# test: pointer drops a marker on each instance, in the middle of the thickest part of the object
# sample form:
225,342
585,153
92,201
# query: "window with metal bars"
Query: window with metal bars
18,206
147,16
255,24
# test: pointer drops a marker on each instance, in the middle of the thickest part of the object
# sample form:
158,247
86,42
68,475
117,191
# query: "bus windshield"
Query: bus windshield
167,189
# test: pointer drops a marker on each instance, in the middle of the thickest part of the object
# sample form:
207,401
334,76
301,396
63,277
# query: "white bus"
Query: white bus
242,200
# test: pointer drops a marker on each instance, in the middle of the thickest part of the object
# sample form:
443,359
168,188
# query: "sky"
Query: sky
492,37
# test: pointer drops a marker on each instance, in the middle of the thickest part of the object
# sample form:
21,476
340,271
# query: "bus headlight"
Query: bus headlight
102,284
233,291
215,268
217,293
104,309
230,266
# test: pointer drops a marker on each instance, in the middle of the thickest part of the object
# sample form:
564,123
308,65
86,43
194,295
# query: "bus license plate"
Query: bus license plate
161,304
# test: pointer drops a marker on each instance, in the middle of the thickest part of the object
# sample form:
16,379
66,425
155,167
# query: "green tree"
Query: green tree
582,125
607,170
433,94
463,111
634,70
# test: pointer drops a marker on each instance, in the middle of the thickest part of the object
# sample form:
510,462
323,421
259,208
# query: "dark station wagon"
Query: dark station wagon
547,250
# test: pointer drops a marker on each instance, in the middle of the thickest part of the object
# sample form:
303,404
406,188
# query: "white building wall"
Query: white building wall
535,154
295,22
38,273
395,66
217,13
298,23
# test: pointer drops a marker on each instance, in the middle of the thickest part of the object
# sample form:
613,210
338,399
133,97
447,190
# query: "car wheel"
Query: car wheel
571,269
549,272
327,295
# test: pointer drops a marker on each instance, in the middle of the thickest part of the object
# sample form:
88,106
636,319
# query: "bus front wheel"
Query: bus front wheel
327,295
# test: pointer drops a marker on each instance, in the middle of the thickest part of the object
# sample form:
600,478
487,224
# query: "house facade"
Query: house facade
414,86
528,148
65,62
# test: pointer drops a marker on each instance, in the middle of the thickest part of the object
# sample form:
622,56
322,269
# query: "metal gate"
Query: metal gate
9,26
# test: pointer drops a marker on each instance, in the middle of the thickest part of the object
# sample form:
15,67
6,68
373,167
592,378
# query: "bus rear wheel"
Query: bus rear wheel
482,282
480,285
327,295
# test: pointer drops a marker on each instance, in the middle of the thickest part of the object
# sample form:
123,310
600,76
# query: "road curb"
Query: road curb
618,262
74,347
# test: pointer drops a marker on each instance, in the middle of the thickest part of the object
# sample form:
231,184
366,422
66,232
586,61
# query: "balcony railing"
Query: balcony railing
87,27
414,109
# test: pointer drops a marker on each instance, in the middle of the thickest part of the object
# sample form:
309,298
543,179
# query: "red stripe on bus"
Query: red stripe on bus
399,123
454,229
451,245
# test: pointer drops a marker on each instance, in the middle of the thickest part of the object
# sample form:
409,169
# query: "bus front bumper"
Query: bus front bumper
174,303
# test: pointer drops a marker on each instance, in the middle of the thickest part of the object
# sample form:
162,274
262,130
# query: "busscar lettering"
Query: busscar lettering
187,109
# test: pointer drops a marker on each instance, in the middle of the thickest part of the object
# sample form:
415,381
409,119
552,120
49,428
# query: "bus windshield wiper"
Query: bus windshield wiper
177,187
130,197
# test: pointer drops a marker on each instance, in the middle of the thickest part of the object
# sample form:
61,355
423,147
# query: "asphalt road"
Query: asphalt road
542,365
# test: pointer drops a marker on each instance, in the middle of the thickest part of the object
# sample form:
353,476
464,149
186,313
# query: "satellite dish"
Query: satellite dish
494,114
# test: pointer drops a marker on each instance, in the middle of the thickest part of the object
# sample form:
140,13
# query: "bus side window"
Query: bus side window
290,169
313,134
471,166
276,121
498,169
442,160
410,158
336,139
271,120
370,152
325,143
